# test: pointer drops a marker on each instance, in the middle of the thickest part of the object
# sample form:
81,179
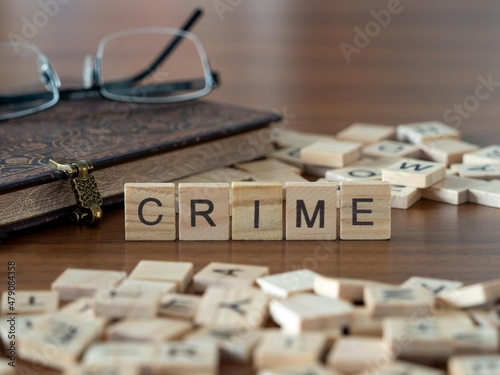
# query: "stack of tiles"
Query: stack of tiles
296,322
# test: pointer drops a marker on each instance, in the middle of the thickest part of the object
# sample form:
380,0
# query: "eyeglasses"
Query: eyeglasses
29,83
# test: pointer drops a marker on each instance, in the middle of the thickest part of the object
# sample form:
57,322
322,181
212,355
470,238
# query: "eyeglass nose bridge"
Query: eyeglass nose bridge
47,74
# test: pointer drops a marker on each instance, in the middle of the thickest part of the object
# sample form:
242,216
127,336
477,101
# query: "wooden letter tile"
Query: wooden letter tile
162,287
310,312
288,155
343,288
192,357
365,212
474,364
473,295
451,190
179,273
392,149
30,302
363,324
101,370
152,330
117,304
416,173
257,210
403,197
366,133
74,283
435,286
228,275
332,153
268,165
183,306
360,173
278,349
405,368
387,301
19,325
309,369
481,171
242,307
421,132
486,155
235,344
483,340
487,194
123,354
150,212
204,212
351,355
311,211
446,151
282,285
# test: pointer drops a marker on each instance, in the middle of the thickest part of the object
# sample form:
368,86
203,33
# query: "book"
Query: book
125,142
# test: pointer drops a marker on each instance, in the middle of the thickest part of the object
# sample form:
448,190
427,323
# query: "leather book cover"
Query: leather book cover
113,136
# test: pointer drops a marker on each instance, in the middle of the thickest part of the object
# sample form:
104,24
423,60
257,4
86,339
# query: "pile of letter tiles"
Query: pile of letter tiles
163,318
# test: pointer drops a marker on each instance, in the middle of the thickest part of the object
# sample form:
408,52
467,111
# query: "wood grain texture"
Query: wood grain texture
285,55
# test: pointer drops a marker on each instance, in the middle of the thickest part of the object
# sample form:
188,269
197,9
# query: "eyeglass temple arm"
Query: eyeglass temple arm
168,50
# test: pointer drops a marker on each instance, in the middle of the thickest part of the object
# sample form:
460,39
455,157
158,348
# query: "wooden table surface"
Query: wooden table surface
286,55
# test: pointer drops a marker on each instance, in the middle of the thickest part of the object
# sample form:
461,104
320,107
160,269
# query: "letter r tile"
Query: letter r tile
365,212
150,212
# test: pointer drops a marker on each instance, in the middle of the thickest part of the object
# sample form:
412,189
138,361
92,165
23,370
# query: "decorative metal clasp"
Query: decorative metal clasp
88,198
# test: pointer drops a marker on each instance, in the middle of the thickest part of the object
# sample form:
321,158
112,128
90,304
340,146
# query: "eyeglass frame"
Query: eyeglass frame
97,85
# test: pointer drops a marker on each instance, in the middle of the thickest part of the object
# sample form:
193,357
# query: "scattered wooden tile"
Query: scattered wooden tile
480,171
74,283
224,174
308,369
142,355
475,340
242,307
183,306
279,176
82,308
150,212
343,288
474,364
474,295
118,304
425,338
132,285
394,301
405,368
331,153
294,138
236,344
228,275
30,302
204,212
413,172
310,312
354,174
486,318
403,197
18,326
191,357
277,349
366,133
365,212
446,151
363,324
289,155
282,285
451,190
101,370
421,132
257,211
434,286
59,341
311,211
268,165
485,155
315,170
148,330
351,355
179,273
487,194
392,149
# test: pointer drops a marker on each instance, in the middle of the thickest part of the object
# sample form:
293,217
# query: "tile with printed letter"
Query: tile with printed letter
30,302
487,172
308,369
366,133
228,274
392,149
188,357
403,197
451,190
447,151
237,307
487,194
405,368
282,285
394,301
311,211
307,311
421,132
179,273
435,286
74,283
118,304
365,211
474,364
277,349
414,173
486,155
147,330
150,212
203,212
475,295
183,306
343,288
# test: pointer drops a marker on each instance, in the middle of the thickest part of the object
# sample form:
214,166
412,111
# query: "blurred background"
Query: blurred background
323,64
